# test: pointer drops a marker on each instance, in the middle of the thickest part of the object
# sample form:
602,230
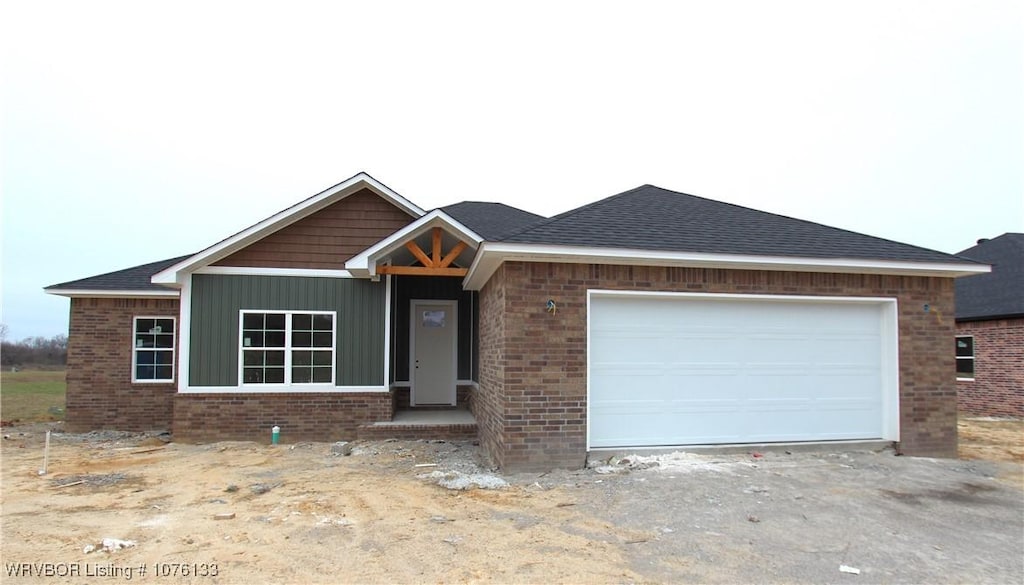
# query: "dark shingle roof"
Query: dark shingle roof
1000,293
134,278
491,220
652,218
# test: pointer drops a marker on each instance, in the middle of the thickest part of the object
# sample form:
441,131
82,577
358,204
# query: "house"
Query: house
649,318
990,330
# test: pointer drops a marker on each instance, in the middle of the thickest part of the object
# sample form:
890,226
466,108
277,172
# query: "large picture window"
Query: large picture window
153,355
287,347
965,357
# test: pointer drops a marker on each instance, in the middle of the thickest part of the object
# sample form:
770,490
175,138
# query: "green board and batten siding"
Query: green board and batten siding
217,300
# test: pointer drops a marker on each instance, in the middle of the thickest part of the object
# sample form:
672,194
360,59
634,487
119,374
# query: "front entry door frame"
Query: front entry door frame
433,379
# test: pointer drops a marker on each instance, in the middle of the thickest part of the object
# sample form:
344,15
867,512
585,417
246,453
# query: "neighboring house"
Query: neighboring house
650,318
990,330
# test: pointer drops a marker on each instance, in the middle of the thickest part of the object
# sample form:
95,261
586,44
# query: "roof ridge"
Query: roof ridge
564,214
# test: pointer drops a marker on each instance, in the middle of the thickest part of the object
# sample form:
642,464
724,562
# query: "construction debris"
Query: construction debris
109,545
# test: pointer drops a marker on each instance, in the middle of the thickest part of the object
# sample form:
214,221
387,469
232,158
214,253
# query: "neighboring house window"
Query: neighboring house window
285,347
153,355
965,357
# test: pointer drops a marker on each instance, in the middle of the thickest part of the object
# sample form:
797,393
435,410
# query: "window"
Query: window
284,347
153,355
965,357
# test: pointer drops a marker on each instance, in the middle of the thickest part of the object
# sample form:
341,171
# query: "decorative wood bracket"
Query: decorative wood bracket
435,264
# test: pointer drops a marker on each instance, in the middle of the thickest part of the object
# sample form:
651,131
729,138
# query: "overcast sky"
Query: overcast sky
138,131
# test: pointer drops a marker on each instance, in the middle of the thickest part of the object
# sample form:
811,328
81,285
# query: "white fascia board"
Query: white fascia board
115,294
365,263
491,254
281,389
172,274
254,271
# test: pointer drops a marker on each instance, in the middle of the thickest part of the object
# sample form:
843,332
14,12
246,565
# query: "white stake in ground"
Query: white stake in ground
46,454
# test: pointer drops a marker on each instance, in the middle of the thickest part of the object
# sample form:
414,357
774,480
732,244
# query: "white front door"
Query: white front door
433,340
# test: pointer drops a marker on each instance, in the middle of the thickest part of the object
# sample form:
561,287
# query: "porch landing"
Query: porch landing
456,424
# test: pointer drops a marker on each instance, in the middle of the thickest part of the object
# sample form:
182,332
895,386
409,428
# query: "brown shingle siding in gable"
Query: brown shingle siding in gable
326,239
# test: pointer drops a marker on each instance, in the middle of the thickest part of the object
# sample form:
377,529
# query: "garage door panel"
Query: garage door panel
671,371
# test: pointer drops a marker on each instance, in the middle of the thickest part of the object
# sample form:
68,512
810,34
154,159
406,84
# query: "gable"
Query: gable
327,238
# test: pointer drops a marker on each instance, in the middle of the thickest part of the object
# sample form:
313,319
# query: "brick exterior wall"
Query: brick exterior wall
998,385
489,402
100,392
531,407
306,416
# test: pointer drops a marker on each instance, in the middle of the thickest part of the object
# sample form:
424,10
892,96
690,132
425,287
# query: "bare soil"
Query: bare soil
323,518
302,514
992,439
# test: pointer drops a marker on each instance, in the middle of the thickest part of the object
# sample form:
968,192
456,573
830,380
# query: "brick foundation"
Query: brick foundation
308,416
998,385
100,392
531,405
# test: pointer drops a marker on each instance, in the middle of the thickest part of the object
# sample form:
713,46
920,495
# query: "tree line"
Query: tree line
33,351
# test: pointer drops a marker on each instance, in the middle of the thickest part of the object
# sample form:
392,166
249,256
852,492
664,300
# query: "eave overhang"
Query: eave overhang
114,294
491,255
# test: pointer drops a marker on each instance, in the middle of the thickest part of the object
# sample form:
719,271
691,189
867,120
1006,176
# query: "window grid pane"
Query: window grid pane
306,339
154,340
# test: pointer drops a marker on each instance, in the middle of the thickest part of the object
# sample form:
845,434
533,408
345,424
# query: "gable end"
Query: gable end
327,238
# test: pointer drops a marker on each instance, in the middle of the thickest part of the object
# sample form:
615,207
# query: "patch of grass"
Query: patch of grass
32,395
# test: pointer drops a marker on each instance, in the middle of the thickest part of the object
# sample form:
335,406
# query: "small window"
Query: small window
965,357
153,352
285,347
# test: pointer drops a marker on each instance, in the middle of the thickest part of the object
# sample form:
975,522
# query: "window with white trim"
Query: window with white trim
965,357
153,352
287,347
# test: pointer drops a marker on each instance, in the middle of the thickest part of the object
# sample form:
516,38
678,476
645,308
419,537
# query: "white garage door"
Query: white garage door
679,369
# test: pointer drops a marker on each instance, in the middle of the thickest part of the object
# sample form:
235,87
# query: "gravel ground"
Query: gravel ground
800,517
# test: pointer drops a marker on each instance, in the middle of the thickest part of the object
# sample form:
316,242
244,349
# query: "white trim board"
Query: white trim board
491,254
174,274
255,271
113,294
281,389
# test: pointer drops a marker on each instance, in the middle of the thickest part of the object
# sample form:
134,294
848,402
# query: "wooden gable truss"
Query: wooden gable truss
434,264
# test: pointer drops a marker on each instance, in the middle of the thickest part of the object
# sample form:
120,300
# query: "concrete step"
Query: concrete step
412,432
452,424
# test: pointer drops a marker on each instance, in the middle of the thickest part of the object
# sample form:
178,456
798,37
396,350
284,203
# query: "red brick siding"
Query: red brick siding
327,238
488,404
531,407
998,385
303,416
100,392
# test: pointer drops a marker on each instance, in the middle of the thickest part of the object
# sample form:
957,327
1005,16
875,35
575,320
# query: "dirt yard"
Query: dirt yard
236,512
